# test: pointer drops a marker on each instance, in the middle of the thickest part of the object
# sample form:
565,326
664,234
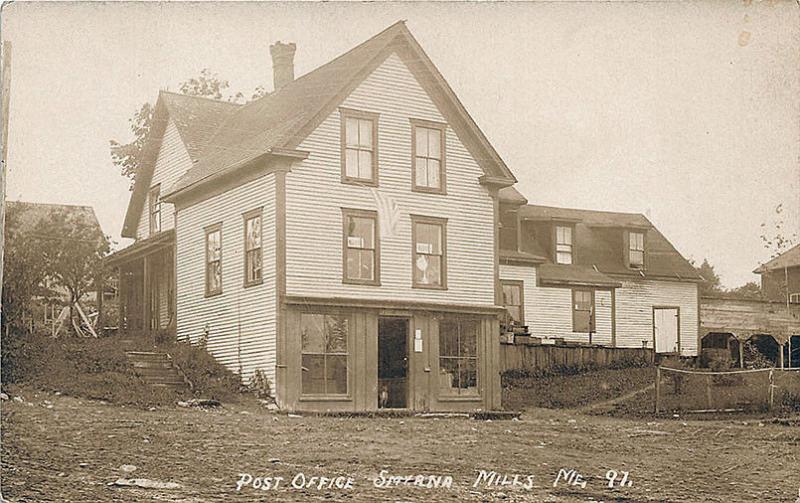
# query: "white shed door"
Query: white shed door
666,328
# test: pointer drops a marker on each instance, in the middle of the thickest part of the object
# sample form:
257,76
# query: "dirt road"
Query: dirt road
56,448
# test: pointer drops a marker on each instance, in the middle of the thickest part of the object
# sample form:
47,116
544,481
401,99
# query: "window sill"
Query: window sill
455,398
359,182
326,398
346,281
428,190
253,283
429,287
213,294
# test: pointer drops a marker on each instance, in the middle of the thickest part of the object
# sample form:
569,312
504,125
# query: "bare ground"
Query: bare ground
57,448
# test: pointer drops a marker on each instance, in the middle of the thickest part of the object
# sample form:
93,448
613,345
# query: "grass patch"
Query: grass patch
99,369
571,387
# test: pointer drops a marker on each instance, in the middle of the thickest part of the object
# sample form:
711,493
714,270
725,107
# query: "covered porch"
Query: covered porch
146,272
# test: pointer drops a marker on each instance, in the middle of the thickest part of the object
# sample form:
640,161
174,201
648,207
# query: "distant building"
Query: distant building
780,277
598,277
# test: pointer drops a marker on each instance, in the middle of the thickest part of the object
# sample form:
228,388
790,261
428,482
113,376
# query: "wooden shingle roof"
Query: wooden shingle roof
279,121
598,242
789,258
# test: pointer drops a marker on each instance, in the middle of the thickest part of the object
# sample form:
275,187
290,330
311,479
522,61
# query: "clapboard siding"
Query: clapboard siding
548,311
241,321
635,302
315,196
173,160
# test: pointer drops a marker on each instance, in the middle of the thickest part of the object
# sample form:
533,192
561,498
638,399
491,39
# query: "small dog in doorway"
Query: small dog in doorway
383,397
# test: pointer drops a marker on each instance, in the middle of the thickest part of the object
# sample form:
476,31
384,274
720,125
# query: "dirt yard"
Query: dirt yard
57,448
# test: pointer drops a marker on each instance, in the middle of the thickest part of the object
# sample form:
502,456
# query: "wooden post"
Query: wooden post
771,391
741,354
658,388
708,392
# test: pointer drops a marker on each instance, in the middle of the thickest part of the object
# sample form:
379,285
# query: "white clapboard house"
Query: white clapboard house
338,234
596,277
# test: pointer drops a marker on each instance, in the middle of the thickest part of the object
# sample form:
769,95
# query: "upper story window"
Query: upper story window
512,300
794,298
427,144
361,251
636,250
429,236
214,259
563,244
583,311
253,270
154,209
324,341
359,147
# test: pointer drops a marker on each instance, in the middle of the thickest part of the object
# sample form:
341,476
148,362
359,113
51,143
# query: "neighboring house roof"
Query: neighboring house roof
510,195
196,120
789,258
280,121
29,215
597,246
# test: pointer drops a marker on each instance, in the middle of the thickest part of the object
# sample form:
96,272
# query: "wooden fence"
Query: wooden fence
541,357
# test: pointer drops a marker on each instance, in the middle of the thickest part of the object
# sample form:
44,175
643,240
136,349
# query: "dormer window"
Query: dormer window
636,250
563,244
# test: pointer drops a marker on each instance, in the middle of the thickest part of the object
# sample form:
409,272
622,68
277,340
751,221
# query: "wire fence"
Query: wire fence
701,391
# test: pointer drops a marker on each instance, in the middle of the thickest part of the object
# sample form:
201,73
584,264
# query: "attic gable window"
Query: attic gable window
427,145
359,147
154,209
636,250
563,244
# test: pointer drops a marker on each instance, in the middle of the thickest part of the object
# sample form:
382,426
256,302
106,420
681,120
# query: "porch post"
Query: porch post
145,294
122,300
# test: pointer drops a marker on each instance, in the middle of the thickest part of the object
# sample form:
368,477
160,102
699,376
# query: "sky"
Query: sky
686,112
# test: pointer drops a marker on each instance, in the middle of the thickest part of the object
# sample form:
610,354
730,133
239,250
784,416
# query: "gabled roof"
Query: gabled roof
281,120
789,258
598,242
29,215
195,118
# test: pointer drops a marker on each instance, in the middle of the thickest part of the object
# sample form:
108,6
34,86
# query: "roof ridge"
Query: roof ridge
192,96
276,94
587,210
70,205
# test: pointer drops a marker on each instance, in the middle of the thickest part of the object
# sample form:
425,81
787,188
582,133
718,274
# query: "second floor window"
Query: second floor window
359,147
794,298
214,259
154,201
582,311
563,244
512,300
252,248
428,147
361,261
636,250
429,252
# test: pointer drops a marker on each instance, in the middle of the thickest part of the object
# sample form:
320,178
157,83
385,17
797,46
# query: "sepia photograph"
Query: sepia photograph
400,252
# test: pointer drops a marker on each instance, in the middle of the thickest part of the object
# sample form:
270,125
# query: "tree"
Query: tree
774,236
127,156
24,269
73,250
711,285
750,290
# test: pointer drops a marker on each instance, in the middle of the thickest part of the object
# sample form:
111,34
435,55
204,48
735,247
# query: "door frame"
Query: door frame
407,318
678,328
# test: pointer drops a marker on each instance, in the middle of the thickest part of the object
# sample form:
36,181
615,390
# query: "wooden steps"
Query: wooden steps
156,369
